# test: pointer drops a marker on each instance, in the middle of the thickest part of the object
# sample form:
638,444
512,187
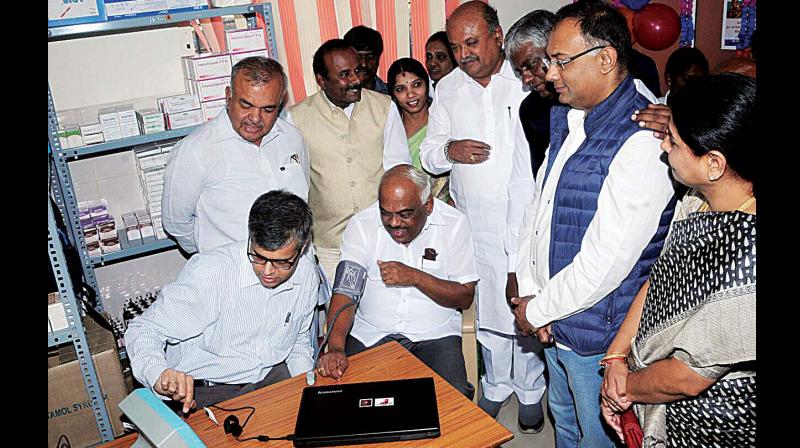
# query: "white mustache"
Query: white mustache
468,59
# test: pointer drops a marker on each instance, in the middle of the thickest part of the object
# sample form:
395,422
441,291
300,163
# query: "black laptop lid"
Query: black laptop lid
367,413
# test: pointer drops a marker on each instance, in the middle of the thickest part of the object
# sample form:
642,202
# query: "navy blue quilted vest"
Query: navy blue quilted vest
608,125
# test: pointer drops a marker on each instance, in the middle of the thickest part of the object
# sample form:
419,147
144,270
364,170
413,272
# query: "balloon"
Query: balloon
628,14
656,26
635,4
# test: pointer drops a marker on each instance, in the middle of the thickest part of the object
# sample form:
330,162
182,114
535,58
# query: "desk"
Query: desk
463,424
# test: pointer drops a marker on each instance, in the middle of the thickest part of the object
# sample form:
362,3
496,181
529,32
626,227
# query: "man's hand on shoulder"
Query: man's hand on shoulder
178,386
394,273
655,117
469,152
333,364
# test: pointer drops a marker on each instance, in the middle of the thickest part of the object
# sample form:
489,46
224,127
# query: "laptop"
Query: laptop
382,411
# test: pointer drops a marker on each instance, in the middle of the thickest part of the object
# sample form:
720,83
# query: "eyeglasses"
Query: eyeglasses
560,63
532,65
283,265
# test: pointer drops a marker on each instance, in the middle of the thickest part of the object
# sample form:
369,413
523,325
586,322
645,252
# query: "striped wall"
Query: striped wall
301,26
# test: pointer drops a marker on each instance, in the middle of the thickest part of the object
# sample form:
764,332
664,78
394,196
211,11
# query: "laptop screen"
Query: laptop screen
380,411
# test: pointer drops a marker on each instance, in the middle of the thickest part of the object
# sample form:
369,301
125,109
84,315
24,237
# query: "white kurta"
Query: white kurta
463,109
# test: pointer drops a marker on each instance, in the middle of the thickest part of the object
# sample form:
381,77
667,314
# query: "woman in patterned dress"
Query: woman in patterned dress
685,355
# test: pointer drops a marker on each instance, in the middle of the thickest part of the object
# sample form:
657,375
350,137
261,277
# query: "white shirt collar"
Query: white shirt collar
347,110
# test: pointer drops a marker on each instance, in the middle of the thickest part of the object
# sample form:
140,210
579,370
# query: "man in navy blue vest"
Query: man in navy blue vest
601,211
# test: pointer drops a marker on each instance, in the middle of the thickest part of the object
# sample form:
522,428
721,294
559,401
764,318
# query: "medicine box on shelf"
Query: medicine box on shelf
126,9
74,12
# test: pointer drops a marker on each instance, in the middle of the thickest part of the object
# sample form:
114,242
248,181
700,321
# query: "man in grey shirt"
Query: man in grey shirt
237,318
217,171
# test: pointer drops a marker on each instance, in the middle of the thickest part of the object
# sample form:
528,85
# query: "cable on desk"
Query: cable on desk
232,426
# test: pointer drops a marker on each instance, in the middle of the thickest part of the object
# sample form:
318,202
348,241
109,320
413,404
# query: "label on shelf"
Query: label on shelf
57,316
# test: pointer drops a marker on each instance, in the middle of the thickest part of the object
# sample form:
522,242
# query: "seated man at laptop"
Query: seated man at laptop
238,317
420,272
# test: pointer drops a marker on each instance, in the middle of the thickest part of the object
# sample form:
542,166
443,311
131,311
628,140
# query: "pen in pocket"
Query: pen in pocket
288,315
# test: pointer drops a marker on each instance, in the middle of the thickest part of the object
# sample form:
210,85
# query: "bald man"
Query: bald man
421,273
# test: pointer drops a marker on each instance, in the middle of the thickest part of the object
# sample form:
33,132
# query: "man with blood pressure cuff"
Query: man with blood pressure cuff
418,254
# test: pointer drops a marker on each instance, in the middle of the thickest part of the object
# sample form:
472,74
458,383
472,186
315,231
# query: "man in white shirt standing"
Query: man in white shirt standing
599,217
475,131
216,172
353,135
421,271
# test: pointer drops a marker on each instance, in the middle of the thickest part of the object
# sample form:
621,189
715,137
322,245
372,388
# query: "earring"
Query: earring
712,179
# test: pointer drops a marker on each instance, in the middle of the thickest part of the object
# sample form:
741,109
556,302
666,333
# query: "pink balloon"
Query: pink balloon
656,26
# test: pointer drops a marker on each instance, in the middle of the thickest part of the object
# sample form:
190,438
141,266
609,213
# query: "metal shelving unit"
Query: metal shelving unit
74,332
133,252
125,143
63,192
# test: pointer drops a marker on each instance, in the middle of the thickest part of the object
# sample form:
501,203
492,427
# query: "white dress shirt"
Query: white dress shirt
384,310
395,143
213,176
632,198
217,322
464,109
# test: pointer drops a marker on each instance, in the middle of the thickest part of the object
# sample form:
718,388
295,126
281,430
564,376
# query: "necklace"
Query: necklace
706,207
746,204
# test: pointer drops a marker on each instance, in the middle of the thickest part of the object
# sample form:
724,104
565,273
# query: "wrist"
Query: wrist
447,151
612,357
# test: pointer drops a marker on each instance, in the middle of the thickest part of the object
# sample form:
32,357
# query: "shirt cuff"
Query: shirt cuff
153,373
532,313
438,162
300,365
512,263
464,279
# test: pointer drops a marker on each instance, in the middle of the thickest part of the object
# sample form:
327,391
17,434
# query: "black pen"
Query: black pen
509,111
288,315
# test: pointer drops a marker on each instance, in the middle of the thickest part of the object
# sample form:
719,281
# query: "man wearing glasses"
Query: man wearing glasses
474,130
601,211
525,45
420,272
237,318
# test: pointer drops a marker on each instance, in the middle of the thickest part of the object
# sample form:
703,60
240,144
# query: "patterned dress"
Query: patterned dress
700,308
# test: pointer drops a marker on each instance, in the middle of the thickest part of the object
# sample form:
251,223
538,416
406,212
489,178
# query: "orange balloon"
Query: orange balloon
628,13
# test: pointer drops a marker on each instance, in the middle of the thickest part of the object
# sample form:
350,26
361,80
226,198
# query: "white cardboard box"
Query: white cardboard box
109,122
240,41
209,89
235,58
212,108
207,66
128,124
91,139
179,103
185,119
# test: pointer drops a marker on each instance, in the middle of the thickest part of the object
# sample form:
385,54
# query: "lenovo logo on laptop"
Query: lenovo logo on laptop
323,392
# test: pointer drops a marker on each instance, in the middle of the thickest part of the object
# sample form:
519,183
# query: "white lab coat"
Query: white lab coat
463,109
